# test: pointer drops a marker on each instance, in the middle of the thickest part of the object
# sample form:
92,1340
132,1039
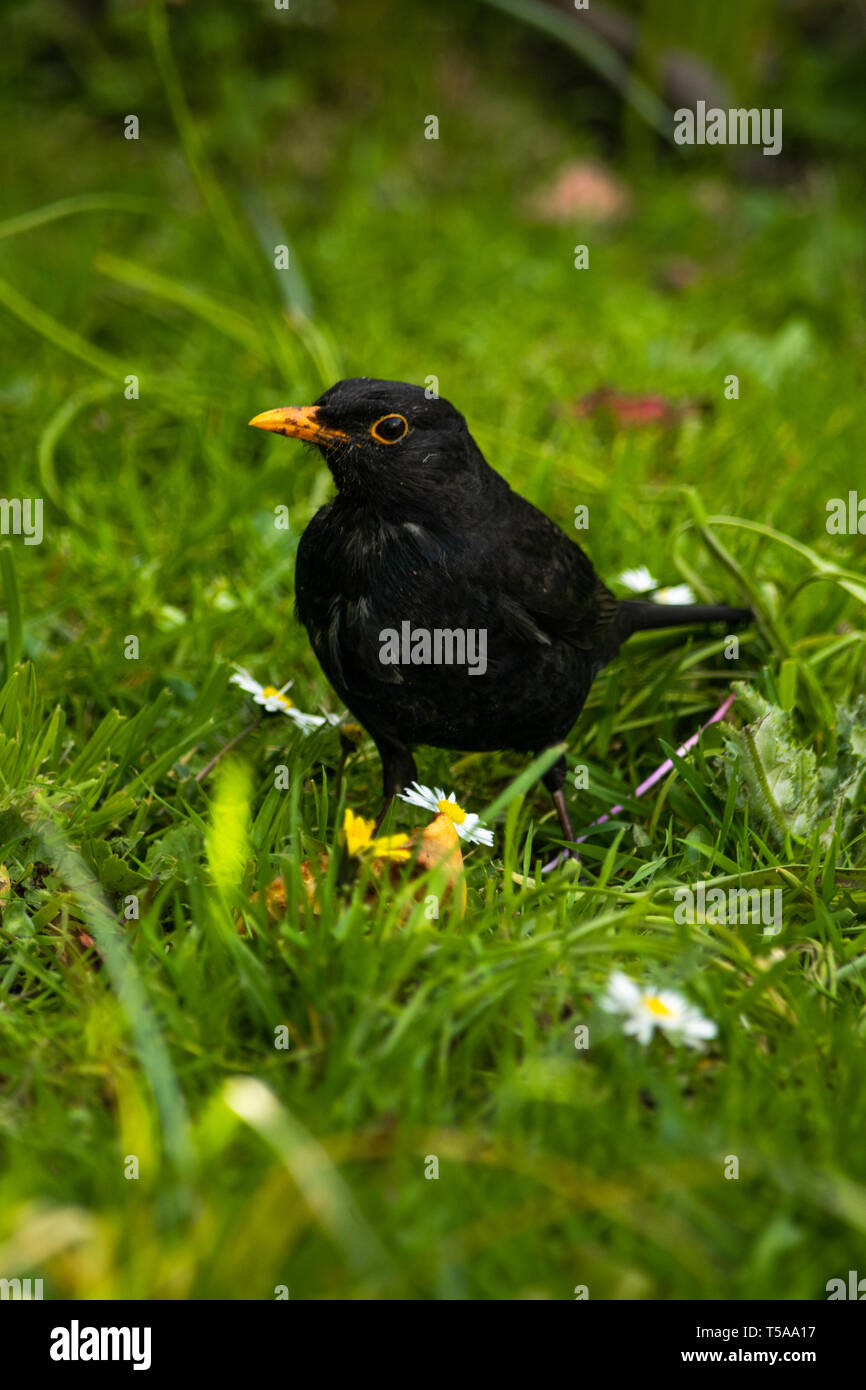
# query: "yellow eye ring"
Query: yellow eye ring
390,423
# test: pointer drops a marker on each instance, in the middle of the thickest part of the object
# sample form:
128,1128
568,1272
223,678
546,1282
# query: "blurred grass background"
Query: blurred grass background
409,258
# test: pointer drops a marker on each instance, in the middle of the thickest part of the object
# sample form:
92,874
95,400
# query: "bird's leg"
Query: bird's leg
554,779
562,812
350,739
383,813
398,770
338,779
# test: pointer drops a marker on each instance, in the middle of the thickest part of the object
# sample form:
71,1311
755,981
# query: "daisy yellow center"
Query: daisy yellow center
656,1006
270,692
454,812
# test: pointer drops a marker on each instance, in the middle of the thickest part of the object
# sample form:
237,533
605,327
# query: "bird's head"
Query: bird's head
387,443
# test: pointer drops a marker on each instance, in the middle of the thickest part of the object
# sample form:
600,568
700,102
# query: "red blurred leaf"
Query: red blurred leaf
634,411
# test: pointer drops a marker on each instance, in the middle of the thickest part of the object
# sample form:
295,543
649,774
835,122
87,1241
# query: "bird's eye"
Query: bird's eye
390,428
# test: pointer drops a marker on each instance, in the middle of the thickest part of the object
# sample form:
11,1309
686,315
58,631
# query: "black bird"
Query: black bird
422,537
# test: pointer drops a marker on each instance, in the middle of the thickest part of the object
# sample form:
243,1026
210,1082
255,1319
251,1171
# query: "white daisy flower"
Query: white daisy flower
305,722
639,580
677,593
646,1009
467,825
275,701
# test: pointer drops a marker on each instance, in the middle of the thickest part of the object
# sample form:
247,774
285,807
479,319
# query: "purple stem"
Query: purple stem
653,777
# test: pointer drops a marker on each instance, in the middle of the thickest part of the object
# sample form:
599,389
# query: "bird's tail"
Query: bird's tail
637,615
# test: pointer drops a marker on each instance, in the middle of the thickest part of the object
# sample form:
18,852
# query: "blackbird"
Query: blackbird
443,607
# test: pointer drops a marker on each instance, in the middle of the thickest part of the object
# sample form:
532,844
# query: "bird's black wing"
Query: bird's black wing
548,589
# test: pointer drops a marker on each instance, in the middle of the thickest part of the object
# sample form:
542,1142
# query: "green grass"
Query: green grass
409,1037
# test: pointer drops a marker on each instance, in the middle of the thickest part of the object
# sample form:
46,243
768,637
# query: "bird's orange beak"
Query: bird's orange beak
300,422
